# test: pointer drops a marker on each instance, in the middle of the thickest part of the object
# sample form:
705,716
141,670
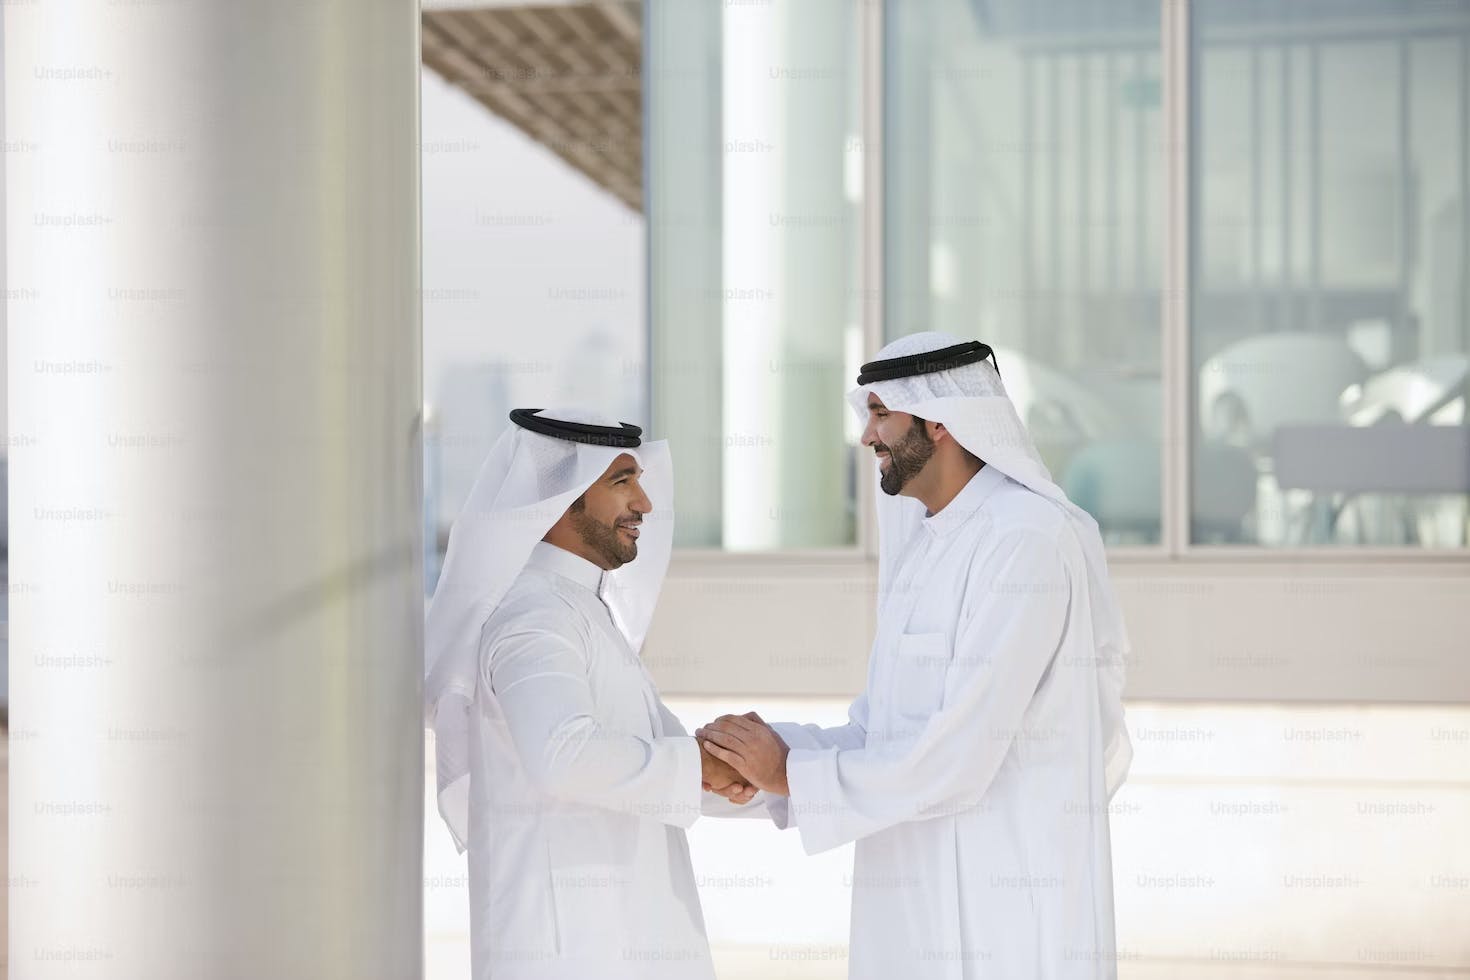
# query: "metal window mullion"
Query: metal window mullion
871,68
1176,61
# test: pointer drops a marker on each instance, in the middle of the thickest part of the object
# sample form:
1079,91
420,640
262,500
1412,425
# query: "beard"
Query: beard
906,458
604,539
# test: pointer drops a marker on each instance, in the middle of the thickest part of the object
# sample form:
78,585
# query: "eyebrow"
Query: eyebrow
625,471
877,407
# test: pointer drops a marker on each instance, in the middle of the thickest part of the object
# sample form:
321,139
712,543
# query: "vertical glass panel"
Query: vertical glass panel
1329,330
1023,199
754,186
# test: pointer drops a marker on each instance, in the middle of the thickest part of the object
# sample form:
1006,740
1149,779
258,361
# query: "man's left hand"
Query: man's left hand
720,777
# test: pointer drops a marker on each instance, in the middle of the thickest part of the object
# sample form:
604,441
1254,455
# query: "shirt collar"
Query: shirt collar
549,558
970,499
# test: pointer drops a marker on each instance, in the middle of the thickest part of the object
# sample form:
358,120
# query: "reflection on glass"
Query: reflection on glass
1022,207
754,188
1329,325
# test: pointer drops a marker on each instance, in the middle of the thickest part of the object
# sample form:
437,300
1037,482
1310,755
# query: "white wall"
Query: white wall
1248,629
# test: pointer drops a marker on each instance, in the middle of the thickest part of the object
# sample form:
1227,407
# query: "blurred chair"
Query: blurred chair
1256,385
1419,392
1120,483
1428,392
1223,493
1063,414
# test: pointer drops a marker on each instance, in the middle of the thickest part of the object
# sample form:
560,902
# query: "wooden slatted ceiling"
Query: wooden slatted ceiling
568,75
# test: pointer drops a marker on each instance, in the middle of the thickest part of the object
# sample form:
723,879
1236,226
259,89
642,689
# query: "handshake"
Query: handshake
740,754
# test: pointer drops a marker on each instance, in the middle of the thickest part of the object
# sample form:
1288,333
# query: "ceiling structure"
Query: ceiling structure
569,75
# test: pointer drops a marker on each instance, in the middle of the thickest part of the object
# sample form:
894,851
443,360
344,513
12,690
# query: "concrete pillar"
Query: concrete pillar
214,382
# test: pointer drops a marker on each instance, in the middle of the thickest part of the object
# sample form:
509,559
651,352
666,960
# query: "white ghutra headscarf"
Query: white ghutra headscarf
527,482
971,402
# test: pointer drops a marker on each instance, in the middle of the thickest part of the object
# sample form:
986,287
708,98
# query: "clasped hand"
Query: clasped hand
750,749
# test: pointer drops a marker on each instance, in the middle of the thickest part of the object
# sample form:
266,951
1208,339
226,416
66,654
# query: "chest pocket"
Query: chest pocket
918,674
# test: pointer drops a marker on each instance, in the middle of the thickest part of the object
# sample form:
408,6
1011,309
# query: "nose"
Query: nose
641,504
870,434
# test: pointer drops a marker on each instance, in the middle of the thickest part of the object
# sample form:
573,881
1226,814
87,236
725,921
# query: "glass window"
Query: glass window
1329,327
754,181
1023,203
532,290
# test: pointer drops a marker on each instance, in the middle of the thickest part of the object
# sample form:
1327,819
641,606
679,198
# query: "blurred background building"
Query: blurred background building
1222,249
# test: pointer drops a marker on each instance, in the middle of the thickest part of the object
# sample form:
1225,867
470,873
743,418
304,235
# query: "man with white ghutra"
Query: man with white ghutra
976,767
559,767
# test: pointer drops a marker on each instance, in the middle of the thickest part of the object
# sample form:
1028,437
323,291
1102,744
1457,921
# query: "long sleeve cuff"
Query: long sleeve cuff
815,806
680,804
794,735
778,808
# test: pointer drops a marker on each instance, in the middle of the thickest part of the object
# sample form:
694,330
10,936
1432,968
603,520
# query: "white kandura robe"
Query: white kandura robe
971,772
582,786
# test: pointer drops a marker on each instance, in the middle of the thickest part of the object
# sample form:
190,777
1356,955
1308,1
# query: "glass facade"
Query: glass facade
1025,162
1329,331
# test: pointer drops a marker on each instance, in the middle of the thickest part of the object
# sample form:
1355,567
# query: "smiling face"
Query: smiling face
902,443
602,525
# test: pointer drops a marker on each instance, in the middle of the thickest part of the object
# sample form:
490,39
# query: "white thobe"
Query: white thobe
971,771
582,785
